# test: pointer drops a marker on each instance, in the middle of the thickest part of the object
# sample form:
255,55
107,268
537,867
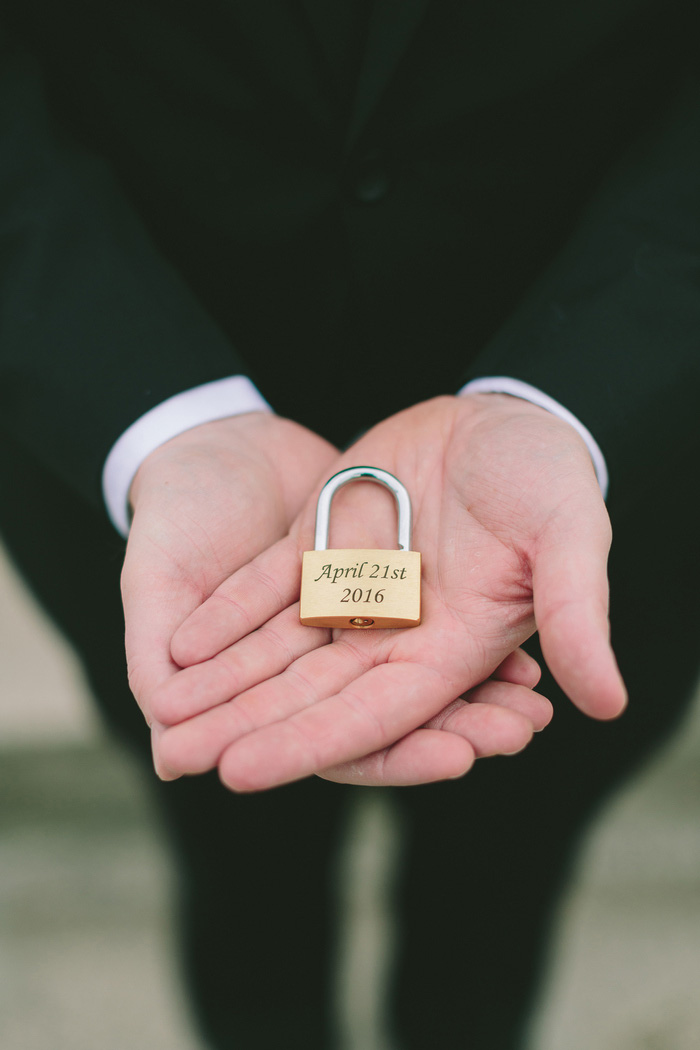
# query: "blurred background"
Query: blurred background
86,949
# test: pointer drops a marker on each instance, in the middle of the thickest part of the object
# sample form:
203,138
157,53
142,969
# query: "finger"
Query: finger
570,590
498,719
153,609
157,730
242,603
520,668
259,656
195,746
372,712
490,729
501,695
423,757
427,755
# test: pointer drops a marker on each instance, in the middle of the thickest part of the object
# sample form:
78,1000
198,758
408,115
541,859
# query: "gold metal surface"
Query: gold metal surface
348,588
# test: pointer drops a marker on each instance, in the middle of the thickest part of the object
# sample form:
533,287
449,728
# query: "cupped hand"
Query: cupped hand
514,536
205,504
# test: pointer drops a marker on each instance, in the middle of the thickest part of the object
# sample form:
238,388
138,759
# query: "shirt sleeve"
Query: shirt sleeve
217,400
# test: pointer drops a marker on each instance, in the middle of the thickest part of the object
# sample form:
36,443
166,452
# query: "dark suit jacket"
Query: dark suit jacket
360,204
360,210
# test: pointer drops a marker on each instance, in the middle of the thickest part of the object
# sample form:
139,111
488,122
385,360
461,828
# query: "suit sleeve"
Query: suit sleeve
95,326
612,329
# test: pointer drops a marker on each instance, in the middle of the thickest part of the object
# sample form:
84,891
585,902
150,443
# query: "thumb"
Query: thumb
571,598
156,601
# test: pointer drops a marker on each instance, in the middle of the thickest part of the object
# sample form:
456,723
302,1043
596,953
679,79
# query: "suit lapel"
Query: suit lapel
310,40
392,25
277,34
334,25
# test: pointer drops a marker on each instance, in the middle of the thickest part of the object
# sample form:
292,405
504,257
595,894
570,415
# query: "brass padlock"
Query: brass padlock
361,588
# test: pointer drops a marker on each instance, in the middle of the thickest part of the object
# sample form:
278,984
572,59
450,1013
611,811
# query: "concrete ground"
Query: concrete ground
86,956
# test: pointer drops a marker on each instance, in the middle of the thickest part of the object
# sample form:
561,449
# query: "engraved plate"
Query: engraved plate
360,588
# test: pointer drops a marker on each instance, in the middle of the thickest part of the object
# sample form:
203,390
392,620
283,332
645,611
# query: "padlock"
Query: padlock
361,588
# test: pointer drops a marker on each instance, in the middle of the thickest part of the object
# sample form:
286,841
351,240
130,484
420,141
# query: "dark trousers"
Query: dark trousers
485,858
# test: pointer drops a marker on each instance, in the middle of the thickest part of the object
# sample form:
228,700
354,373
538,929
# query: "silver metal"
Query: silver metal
382,477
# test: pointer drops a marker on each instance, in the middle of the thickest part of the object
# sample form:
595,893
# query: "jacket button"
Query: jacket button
371,179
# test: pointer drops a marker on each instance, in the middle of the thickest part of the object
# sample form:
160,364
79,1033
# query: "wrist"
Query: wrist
225,438
522,423
256,444
518,390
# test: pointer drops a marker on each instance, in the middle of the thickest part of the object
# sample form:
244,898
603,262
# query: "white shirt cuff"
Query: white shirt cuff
202,404
516,388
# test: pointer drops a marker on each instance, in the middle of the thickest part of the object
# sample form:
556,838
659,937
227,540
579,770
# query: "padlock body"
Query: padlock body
373,588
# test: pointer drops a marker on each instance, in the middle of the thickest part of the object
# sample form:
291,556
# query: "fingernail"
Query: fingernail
166,775
162,772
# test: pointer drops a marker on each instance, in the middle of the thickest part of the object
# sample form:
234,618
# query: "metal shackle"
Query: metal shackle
382,477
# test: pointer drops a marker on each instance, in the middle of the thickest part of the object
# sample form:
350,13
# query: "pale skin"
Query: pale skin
514,536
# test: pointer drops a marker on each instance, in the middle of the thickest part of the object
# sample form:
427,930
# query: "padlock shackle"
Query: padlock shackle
382,477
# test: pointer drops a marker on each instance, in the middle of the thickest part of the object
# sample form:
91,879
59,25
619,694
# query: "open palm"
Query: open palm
514,536
205,504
